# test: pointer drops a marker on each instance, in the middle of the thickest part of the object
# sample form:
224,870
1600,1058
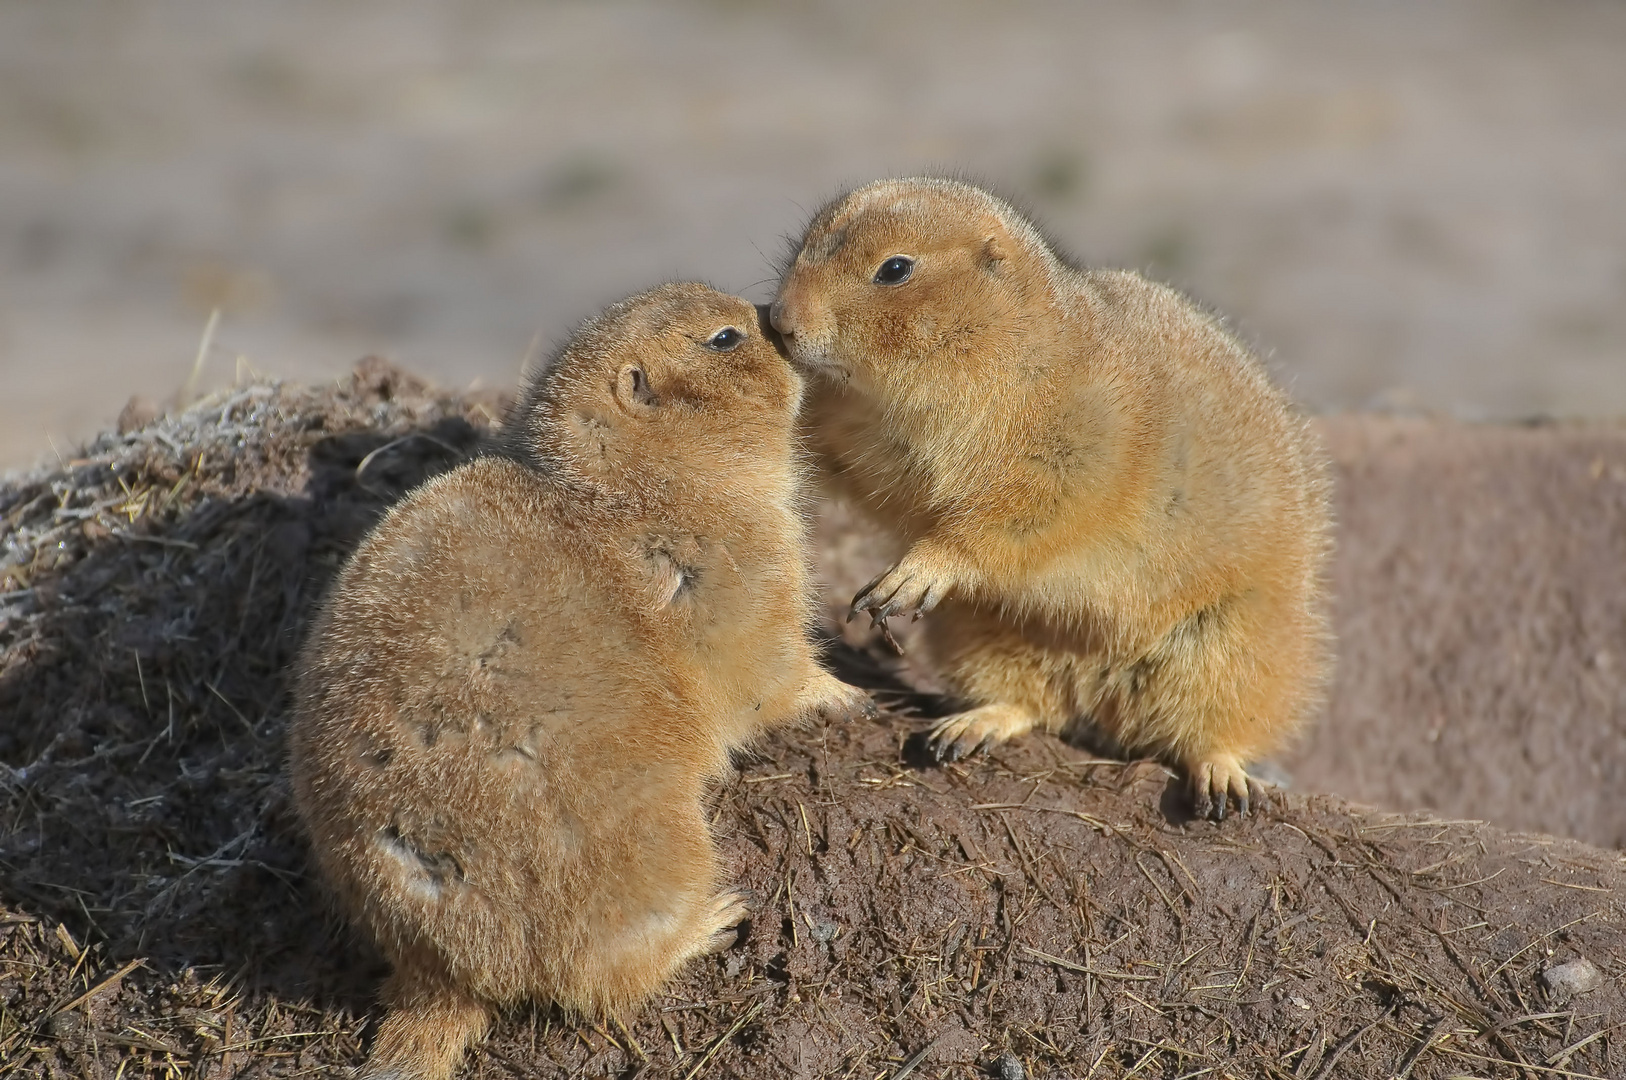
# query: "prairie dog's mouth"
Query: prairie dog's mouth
810,355
815,362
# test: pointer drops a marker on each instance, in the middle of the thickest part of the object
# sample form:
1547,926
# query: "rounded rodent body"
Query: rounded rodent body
1119,520
525,676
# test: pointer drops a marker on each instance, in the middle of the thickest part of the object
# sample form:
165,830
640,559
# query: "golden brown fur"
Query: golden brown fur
1119,520
528,672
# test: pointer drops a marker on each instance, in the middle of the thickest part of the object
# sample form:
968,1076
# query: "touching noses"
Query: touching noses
801,318
776,315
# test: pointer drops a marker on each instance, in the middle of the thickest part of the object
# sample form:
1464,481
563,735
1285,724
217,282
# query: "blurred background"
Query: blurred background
1409,207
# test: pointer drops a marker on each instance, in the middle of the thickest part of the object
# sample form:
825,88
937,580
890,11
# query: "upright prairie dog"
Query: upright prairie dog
1118,520
526,675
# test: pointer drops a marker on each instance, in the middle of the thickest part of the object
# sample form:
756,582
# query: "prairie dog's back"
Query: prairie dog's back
1228,461
500,731
469,606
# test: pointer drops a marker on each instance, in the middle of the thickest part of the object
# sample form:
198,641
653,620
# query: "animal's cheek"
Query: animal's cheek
905,331
819,321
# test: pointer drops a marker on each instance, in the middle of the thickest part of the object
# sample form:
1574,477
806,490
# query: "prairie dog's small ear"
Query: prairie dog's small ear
632,389
993,253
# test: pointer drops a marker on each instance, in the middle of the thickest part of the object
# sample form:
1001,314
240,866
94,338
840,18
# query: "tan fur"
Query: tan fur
1120,521
529,671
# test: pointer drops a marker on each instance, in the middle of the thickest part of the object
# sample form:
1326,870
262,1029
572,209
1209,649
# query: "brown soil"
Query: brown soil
1481,614
156,914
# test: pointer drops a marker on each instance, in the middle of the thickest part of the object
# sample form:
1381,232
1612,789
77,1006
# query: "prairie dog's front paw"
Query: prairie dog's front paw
830,699
918,583
1218,780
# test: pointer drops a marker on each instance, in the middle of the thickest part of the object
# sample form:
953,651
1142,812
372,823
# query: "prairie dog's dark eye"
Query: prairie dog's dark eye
895,271
725,339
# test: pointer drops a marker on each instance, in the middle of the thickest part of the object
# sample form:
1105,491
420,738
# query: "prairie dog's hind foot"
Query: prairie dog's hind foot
962,734
428,1027
1217,780
729,911
828,698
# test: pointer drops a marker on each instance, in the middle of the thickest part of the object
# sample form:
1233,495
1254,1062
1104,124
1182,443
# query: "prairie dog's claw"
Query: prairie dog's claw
963,734
918,583
729,910
831,699
1217,782
856,704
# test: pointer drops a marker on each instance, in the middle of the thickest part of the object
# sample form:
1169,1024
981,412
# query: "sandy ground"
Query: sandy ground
1404,205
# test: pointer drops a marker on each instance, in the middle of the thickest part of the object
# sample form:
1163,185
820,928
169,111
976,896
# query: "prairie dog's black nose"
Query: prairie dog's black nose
776,315
769,330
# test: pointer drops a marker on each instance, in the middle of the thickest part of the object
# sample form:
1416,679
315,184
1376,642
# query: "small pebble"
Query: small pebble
1006,1067
65,1024
1574,977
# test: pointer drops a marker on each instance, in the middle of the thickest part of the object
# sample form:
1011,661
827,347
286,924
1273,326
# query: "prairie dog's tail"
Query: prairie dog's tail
426,1030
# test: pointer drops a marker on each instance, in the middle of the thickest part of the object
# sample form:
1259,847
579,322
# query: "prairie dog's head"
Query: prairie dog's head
906,279
679,378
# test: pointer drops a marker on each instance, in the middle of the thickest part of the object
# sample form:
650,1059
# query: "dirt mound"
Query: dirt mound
156,914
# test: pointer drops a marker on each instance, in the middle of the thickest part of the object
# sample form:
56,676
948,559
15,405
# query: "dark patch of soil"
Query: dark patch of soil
156,913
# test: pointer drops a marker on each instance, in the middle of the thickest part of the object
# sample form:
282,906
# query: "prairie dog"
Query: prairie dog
525,676
1117,518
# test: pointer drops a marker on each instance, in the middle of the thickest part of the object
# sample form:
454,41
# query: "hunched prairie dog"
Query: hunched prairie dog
1117,518
525,676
